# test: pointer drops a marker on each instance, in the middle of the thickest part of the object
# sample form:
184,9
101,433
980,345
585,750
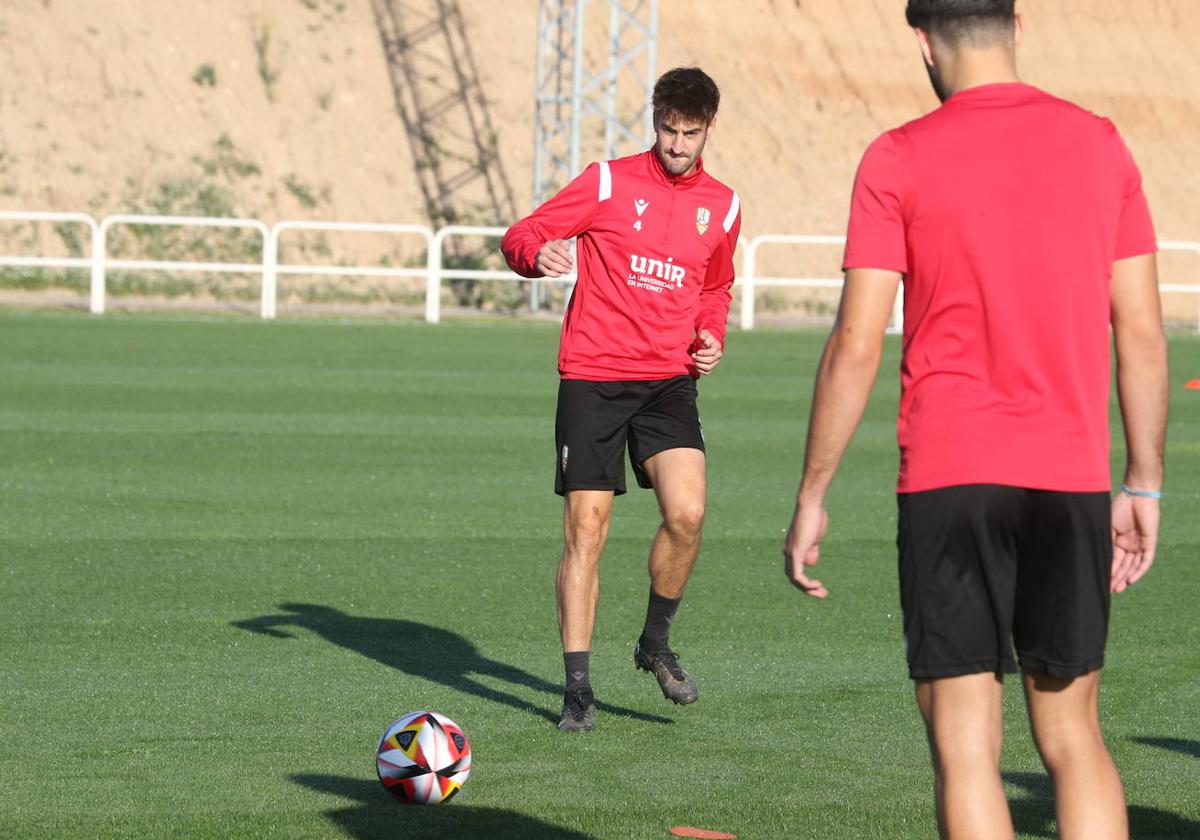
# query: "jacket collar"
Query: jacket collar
661,175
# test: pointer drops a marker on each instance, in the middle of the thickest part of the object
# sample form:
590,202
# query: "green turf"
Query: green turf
234,551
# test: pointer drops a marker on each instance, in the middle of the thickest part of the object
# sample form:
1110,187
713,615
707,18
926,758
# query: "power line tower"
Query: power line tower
578,94
577,91
441,101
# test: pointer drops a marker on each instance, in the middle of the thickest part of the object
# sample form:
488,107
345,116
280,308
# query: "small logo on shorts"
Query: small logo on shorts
564,458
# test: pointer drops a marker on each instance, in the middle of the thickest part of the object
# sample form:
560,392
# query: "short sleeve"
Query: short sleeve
1135,228
875,237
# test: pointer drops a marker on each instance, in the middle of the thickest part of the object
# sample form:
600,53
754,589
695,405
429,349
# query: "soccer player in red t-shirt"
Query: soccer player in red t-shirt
655,235
1018,225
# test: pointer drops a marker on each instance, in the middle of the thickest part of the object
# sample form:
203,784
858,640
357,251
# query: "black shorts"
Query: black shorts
984,567
595,419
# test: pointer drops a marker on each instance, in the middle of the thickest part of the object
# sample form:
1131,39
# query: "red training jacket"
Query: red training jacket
655,263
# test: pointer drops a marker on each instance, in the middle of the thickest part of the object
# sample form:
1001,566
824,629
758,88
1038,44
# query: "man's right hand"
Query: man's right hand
802,548
554,258
1135,538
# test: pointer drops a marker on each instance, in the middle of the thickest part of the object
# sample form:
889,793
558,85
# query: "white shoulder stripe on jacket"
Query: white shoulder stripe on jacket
605,182
731,216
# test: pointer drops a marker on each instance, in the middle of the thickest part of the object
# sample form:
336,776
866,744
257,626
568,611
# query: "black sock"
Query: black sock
576,664
659,613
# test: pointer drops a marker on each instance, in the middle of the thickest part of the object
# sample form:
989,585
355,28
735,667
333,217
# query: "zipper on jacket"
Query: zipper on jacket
670,214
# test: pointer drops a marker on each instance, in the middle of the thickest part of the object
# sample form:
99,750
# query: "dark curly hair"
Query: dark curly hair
956,20
686,92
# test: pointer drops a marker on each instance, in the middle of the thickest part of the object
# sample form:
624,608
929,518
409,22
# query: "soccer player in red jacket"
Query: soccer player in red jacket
655,236
1019,226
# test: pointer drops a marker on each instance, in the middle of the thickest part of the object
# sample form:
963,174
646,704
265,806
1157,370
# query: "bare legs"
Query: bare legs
963,718
586,515
1088,795
679,484
964,721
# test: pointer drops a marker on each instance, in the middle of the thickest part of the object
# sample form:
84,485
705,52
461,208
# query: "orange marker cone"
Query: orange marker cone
1192,385
702,833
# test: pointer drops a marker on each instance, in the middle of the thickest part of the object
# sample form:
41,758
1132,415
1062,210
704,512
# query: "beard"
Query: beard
676,166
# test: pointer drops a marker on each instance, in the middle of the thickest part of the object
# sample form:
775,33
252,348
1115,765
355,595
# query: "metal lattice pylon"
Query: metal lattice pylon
575,94
439,96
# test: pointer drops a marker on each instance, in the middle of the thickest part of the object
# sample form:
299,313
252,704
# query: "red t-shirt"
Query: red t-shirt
1005,210
655,263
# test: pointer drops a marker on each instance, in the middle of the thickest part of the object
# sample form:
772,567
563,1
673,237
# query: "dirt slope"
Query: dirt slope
289,103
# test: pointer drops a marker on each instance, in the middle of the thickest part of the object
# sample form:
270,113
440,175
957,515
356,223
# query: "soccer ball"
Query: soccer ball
423,758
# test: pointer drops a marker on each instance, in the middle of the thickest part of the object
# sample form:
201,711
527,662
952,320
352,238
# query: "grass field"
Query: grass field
233,551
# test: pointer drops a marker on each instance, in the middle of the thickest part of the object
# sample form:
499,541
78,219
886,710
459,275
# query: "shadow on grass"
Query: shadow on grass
376,816
1179,745
421,651
1033,813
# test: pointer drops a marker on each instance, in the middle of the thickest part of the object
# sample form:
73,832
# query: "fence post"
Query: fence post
99,256
270,275
748,269
897,325
433,284
1196,250
569,292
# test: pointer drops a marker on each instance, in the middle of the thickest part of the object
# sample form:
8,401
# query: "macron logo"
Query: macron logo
640,205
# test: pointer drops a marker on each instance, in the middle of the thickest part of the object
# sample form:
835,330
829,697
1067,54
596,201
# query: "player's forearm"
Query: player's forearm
520,246
1143,388
843,388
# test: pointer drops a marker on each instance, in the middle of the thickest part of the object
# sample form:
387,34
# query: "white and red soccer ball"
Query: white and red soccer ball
423,758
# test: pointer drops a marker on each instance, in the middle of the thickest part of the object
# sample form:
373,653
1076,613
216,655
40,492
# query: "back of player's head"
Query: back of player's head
977,22
686,92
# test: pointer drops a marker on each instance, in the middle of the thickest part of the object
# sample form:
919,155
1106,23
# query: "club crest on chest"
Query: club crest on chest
703,217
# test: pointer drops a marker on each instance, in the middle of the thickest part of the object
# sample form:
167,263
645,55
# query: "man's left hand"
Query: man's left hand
707,354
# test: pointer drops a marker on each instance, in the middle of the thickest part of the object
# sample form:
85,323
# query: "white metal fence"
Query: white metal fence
269,269
750,281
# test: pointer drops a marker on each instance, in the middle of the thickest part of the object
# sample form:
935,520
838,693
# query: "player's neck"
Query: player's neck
973,68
